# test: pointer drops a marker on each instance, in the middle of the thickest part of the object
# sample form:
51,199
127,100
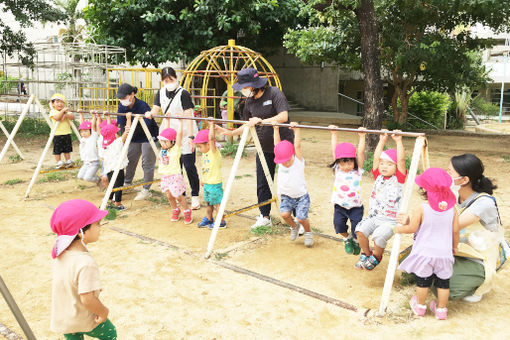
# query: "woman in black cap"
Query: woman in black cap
139,145
174,100
263,104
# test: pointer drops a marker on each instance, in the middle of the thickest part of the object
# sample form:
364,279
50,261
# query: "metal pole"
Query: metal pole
392,265
16,311
505,56
242,122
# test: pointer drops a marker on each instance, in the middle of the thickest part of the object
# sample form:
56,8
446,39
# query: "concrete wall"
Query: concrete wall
315,87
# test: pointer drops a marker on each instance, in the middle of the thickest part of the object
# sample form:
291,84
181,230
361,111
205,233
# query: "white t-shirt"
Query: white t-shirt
291,180
88,148
175,109
110,156
347,187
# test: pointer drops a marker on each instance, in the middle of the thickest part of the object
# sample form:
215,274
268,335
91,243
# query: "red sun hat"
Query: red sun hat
345,150
168,134
201,137
390,155
69,218
86,125
283,152
436,182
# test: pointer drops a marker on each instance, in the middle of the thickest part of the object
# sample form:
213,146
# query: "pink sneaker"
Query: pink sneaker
175,215
417,309
187,216
441,313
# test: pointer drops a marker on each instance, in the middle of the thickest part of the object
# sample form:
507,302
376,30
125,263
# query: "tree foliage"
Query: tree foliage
156,31
423,44
25,12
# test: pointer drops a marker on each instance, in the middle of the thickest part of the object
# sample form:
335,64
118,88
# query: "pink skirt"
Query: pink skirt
173,183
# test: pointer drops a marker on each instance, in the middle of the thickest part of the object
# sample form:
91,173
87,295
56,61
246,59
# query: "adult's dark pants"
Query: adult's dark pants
118,183
188,161
263,190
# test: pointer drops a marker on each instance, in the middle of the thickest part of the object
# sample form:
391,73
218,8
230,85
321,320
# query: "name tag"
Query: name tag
267,102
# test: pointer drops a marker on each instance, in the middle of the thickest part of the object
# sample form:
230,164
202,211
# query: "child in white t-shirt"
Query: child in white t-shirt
110,152
88,149
292,184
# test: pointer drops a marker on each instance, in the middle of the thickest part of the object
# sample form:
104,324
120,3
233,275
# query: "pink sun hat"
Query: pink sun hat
201,137
436,183
283,152
168,134
390,155
105,122
108,132
345,150
86,125
69,218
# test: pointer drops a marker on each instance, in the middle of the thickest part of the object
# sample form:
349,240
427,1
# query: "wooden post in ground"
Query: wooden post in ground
395,250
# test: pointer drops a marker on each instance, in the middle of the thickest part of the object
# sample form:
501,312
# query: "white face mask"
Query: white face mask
125,102
454,187
171,86
247,92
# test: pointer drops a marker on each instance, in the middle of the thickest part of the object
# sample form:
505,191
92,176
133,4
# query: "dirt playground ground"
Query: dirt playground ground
158,285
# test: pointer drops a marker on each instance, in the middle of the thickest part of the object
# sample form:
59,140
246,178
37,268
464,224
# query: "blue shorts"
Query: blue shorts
300,204
213,193
354,214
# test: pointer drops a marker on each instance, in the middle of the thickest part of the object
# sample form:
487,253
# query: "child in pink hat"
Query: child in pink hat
291,183
172,181
389,171
346,196
88,149
110,152
75,306
205,140
437,228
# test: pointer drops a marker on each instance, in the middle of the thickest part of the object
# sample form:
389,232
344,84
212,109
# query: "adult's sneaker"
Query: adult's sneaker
308,239
142,195
262,222
195,202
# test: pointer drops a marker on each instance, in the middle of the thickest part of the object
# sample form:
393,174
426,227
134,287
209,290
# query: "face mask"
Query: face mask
125,102
171,86
247,92
454,187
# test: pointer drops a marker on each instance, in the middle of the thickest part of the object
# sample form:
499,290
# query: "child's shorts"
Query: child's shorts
380,227
213,193
354,214
62,144
301,204
173,183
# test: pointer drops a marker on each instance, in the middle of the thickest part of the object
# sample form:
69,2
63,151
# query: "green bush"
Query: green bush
452,122
230,149
429,106
29,127
480,106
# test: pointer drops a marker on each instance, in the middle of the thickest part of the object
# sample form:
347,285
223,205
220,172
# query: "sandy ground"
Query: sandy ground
155,291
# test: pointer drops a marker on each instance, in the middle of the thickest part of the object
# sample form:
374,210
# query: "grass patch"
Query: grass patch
316,230
248,175
506,158
238,177
220,256
230,149
81,186
13,181
112,213
407,279
277,228
53,177
15,158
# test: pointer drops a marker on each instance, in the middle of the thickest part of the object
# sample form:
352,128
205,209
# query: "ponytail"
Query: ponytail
484,184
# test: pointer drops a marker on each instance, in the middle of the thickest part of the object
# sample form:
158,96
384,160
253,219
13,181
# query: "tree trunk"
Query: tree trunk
394,105
404,103
374,106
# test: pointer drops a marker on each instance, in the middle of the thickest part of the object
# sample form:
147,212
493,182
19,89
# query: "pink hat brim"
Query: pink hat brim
282,160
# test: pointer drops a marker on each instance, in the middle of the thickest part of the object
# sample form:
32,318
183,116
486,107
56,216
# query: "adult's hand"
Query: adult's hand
254,121
148,115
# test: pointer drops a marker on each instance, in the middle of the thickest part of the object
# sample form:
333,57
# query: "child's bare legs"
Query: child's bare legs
421,294
209,211
288,218
182,202
57,158
345,234
306,224
67,156
442,297
217,207
363,243
378,251
171,200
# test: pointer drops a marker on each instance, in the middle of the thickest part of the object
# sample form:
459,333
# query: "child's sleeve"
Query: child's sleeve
401,178
88,279
375,173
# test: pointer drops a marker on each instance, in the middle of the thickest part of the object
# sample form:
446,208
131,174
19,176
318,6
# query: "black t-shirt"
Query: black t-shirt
271,103
185,99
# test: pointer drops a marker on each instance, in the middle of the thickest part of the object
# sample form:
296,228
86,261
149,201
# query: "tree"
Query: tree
157,31
25,12
344,32
73,30
423,44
